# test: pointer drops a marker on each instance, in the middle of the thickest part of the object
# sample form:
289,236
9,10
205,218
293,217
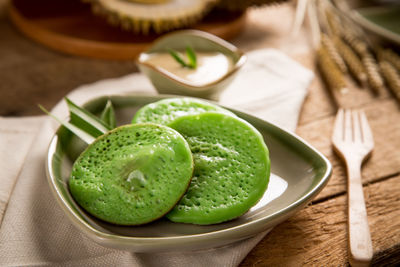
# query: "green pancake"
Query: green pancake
133,174
167,110
231,168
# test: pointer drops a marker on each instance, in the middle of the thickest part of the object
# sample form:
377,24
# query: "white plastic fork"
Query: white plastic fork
353,142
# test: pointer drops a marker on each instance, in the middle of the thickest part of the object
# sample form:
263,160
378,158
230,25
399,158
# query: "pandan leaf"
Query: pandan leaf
192,57
86,137
85,120
108,115
178,58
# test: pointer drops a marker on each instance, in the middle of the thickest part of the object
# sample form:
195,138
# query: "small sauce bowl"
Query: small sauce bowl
167,83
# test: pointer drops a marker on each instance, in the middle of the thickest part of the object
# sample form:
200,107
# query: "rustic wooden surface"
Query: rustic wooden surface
315,236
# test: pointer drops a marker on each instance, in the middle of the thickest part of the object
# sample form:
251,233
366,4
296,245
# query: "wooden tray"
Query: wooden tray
69,26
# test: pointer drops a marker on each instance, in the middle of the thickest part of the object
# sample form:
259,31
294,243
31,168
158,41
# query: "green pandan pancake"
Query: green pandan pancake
167,110
133,174
231,170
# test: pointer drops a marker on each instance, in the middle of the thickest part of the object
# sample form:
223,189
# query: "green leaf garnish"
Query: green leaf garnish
86,137
84,124
108,115
192,57
85,120
177,57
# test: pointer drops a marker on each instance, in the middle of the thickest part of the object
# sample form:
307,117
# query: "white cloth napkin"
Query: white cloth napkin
34,230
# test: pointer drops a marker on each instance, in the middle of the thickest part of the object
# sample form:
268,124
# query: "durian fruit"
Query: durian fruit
146,16
241,5
149,1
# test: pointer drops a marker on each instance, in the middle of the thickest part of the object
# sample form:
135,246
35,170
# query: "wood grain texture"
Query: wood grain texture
317,235
384,118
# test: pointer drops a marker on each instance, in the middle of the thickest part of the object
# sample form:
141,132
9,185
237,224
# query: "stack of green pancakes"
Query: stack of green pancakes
189,159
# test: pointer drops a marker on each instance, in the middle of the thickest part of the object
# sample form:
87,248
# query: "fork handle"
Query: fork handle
359,235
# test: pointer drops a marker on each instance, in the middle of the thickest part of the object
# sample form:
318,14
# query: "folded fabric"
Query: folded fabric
14,133
34,230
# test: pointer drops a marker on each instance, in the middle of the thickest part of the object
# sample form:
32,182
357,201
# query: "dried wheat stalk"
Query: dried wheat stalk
354,41
333,53
330,71
333,23
354,63
389,56
374,77
392,77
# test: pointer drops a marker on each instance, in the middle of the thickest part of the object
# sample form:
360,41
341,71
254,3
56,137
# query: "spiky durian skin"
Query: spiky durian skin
146,25
160,25
149,1
235,5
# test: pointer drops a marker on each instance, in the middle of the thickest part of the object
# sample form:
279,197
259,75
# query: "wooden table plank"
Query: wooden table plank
384,119
317,235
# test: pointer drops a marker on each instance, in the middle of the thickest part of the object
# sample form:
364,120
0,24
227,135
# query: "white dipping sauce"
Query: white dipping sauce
211,66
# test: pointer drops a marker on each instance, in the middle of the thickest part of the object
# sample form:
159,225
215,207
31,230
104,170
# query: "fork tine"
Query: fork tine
348,131
357,136
338,127
366,130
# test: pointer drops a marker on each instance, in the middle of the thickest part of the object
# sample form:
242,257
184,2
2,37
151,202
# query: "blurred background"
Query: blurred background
49,47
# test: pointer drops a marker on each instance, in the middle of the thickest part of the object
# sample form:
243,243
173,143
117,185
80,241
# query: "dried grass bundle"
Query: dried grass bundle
333,53
357,44
389,56
360,46
352,60
375,80
333,23
392,78
330,71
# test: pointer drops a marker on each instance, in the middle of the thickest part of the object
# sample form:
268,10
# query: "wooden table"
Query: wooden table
317,235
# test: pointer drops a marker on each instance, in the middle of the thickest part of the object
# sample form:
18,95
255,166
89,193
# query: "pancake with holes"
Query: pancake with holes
167,110
231,168
133,174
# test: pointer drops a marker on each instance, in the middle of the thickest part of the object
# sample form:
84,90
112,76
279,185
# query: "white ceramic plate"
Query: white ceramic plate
299,172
